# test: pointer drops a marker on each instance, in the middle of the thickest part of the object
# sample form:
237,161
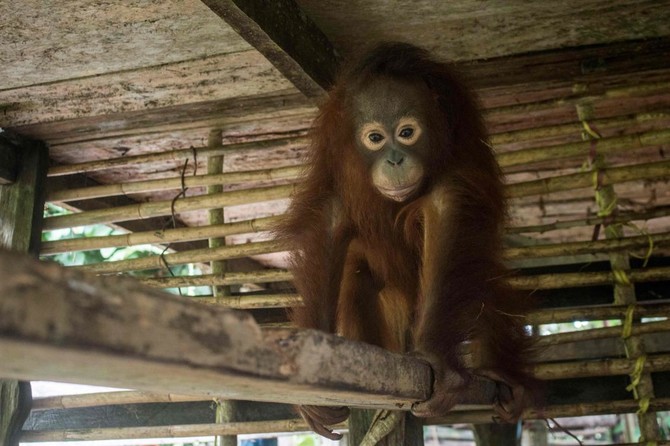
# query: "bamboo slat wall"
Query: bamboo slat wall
543,141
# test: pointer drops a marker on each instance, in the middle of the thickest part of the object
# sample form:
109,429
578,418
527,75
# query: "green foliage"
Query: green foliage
306,440
93,256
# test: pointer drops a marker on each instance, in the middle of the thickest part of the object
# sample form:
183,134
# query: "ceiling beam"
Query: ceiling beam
287,37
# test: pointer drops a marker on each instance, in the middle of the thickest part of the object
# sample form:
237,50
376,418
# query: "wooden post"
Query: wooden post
225,411
21,210
624,290
492,434
536,434
408,432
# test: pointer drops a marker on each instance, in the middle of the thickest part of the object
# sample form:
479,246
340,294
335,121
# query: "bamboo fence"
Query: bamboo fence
643,129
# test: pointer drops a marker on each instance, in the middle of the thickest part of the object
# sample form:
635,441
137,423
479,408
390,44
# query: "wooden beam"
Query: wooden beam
142,409
60,324
219,77
287,37
568,65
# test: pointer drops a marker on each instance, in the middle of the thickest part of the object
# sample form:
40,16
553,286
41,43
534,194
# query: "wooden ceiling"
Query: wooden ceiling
98,79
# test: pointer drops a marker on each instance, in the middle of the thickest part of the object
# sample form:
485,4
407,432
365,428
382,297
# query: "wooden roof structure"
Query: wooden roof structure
183,124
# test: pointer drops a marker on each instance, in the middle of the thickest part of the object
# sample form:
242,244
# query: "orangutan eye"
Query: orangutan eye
406,133
375,138
408,130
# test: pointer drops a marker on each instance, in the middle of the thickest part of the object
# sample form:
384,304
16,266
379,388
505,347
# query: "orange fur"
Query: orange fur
423,275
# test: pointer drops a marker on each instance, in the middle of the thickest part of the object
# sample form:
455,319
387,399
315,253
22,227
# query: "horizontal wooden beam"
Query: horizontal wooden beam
286,36
64,325
577,64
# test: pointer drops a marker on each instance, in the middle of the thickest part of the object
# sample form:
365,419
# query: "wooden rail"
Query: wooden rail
65,325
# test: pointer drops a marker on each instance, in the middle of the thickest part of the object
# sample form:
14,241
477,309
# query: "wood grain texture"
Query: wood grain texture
48,41
287,37
226,76
477,29
64,325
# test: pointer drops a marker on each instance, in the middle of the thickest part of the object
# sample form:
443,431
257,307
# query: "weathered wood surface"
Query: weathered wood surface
189,430
91,37
287,37
407,429
63,325
134,409
178,420
241,74
463,30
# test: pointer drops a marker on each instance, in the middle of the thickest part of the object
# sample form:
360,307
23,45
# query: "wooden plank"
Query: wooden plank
84,413
147,414
287,37
218,77
85,38
60,324
229,114
582,64
464,30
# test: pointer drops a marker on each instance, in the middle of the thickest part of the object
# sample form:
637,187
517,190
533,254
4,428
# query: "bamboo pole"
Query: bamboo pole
134,187
158,237
612,175
598,313
216,218
141,211
624,291
642,89
231,278
620,144
534,282
573,128
175,155
602,333
226,410
265,224
289,172
599,367
254,302
579,248
299,425
110,399
193,256
622,217
557,411
186,430
570,280
248,249
161,208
